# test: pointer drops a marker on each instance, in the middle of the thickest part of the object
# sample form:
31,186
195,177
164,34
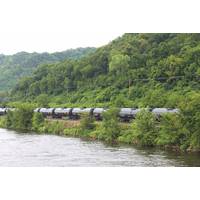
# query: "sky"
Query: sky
57,25
13,42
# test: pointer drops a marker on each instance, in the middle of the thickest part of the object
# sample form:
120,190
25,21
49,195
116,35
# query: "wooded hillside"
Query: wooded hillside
153,70
14,67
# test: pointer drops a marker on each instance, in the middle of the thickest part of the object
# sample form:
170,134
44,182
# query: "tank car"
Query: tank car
62,112
76,113
98,113
3,111
47,112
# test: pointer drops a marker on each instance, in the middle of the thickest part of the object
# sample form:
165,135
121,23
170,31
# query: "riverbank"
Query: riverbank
170,132
74,128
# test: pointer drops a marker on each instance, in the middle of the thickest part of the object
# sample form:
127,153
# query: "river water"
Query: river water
31,150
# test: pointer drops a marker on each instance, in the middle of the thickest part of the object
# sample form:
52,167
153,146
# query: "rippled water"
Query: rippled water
49,150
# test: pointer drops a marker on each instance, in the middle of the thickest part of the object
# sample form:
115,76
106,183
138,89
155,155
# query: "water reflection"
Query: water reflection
49,150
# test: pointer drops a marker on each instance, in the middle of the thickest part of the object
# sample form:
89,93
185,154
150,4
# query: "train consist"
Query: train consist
125,114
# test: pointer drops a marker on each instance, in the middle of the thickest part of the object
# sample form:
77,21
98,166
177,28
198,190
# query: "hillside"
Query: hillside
133,70
13,67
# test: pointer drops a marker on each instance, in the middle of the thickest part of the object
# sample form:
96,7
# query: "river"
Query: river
32,150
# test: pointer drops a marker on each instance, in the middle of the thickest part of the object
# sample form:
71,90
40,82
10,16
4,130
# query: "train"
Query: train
71,113
125,114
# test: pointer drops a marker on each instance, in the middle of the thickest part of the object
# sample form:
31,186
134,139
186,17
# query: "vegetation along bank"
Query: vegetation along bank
178,131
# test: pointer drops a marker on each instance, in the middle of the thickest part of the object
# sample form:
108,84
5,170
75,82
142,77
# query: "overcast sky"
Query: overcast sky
13,42
57,25
54,25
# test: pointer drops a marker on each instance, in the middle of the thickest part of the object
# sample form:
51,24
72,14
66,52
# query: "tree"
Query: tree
144,129
87,122
21,118
43,100
119,63
37,121
110,125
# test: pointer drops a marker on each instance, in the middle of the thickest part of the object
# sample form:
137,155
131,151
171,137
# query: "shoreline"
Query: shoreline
71,128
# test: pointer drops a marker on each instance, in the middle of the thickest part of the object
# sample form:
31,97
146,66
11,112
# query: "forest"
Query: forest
14,67
135,70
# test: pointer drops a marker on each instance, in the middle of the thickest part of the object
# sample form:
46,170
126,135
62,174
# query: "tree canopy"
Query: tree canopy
133,70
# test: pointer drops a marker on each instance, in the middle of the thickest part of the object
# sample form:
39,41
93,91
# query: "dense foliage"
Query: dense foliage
20,119
134,70
13,67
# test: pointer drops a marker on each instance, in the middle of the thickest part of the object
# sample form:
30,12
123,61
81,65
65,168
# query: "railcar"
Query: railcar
161,111
88,111
126,114
47,112
3,111
76,113
135,112
62,112
98,113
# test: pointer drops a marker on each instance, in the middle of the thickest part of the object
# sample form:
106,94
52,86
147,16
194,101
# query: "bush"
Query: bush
110,126
87,122
144,129
54,127
43,100
190,112
172,131
72,132
20,119
3,122
127,136
37,121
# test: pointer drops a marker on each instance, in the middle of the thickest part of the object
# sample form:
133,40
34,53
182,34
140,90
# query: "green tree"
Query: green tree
87,122
144,129
43,100
172,131
119,63
37,121
21,118
110,125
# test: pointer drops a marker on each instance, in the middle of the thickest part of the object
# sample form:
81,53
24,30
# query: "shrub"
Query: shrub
37,121
3,122
144,129
54,127
110,126
87,122
43,100
190,112
20,119
172,131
